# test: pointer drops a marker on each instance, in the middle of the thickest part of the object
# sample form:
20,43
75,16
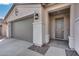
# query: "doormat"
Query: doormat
70,52
41,50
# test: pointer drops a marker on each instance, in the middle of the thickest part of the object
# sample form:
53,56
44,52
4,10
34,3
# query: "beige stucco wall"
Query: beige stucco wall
4,29
76,27
24,10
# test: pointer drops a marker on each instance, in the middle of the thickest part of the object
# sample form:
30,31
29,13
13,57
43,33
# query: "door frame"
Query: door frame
54,18
52,36
62,18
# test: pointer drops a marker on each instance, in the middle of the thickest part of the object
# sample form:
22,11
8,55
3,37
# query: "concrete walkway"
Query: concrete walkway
54,51
57,48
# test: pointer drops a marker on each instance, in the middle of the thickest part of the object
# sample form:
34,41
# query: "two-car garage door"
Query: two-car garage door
23,29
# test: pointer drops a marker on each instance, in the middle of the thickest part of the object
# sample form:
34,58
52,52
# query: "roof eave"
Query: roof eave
9,11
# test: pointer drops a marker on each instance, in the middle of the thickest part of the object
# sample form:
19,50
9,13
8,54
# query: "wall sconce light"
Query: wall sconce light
36,16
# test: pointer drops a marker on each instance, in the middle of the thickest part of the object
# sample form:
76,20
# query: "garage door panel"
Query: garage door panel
23,29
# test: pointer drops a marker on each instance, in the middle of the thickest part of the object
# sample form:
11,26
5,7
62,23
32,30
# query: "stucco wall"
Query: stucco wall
76,27
24,10
4,29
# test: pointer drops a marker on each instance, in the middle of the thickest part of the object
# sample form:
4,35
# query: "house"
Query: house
40,22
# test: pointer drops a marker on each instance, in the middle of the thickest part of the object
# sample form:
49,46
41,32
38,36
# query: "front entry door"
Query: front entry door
59,28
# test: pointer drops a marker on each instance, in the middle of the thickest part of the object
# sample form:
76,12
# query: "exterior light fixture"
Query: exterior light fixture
36,15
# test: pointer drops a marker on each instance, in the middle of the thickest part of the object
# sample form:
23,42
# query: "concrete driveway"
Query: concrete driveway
15,47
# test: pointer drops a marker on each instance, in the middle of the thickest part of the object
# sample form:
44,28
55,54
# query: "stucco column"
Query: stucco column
71,37
37,29
8,30
37,33
46,27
